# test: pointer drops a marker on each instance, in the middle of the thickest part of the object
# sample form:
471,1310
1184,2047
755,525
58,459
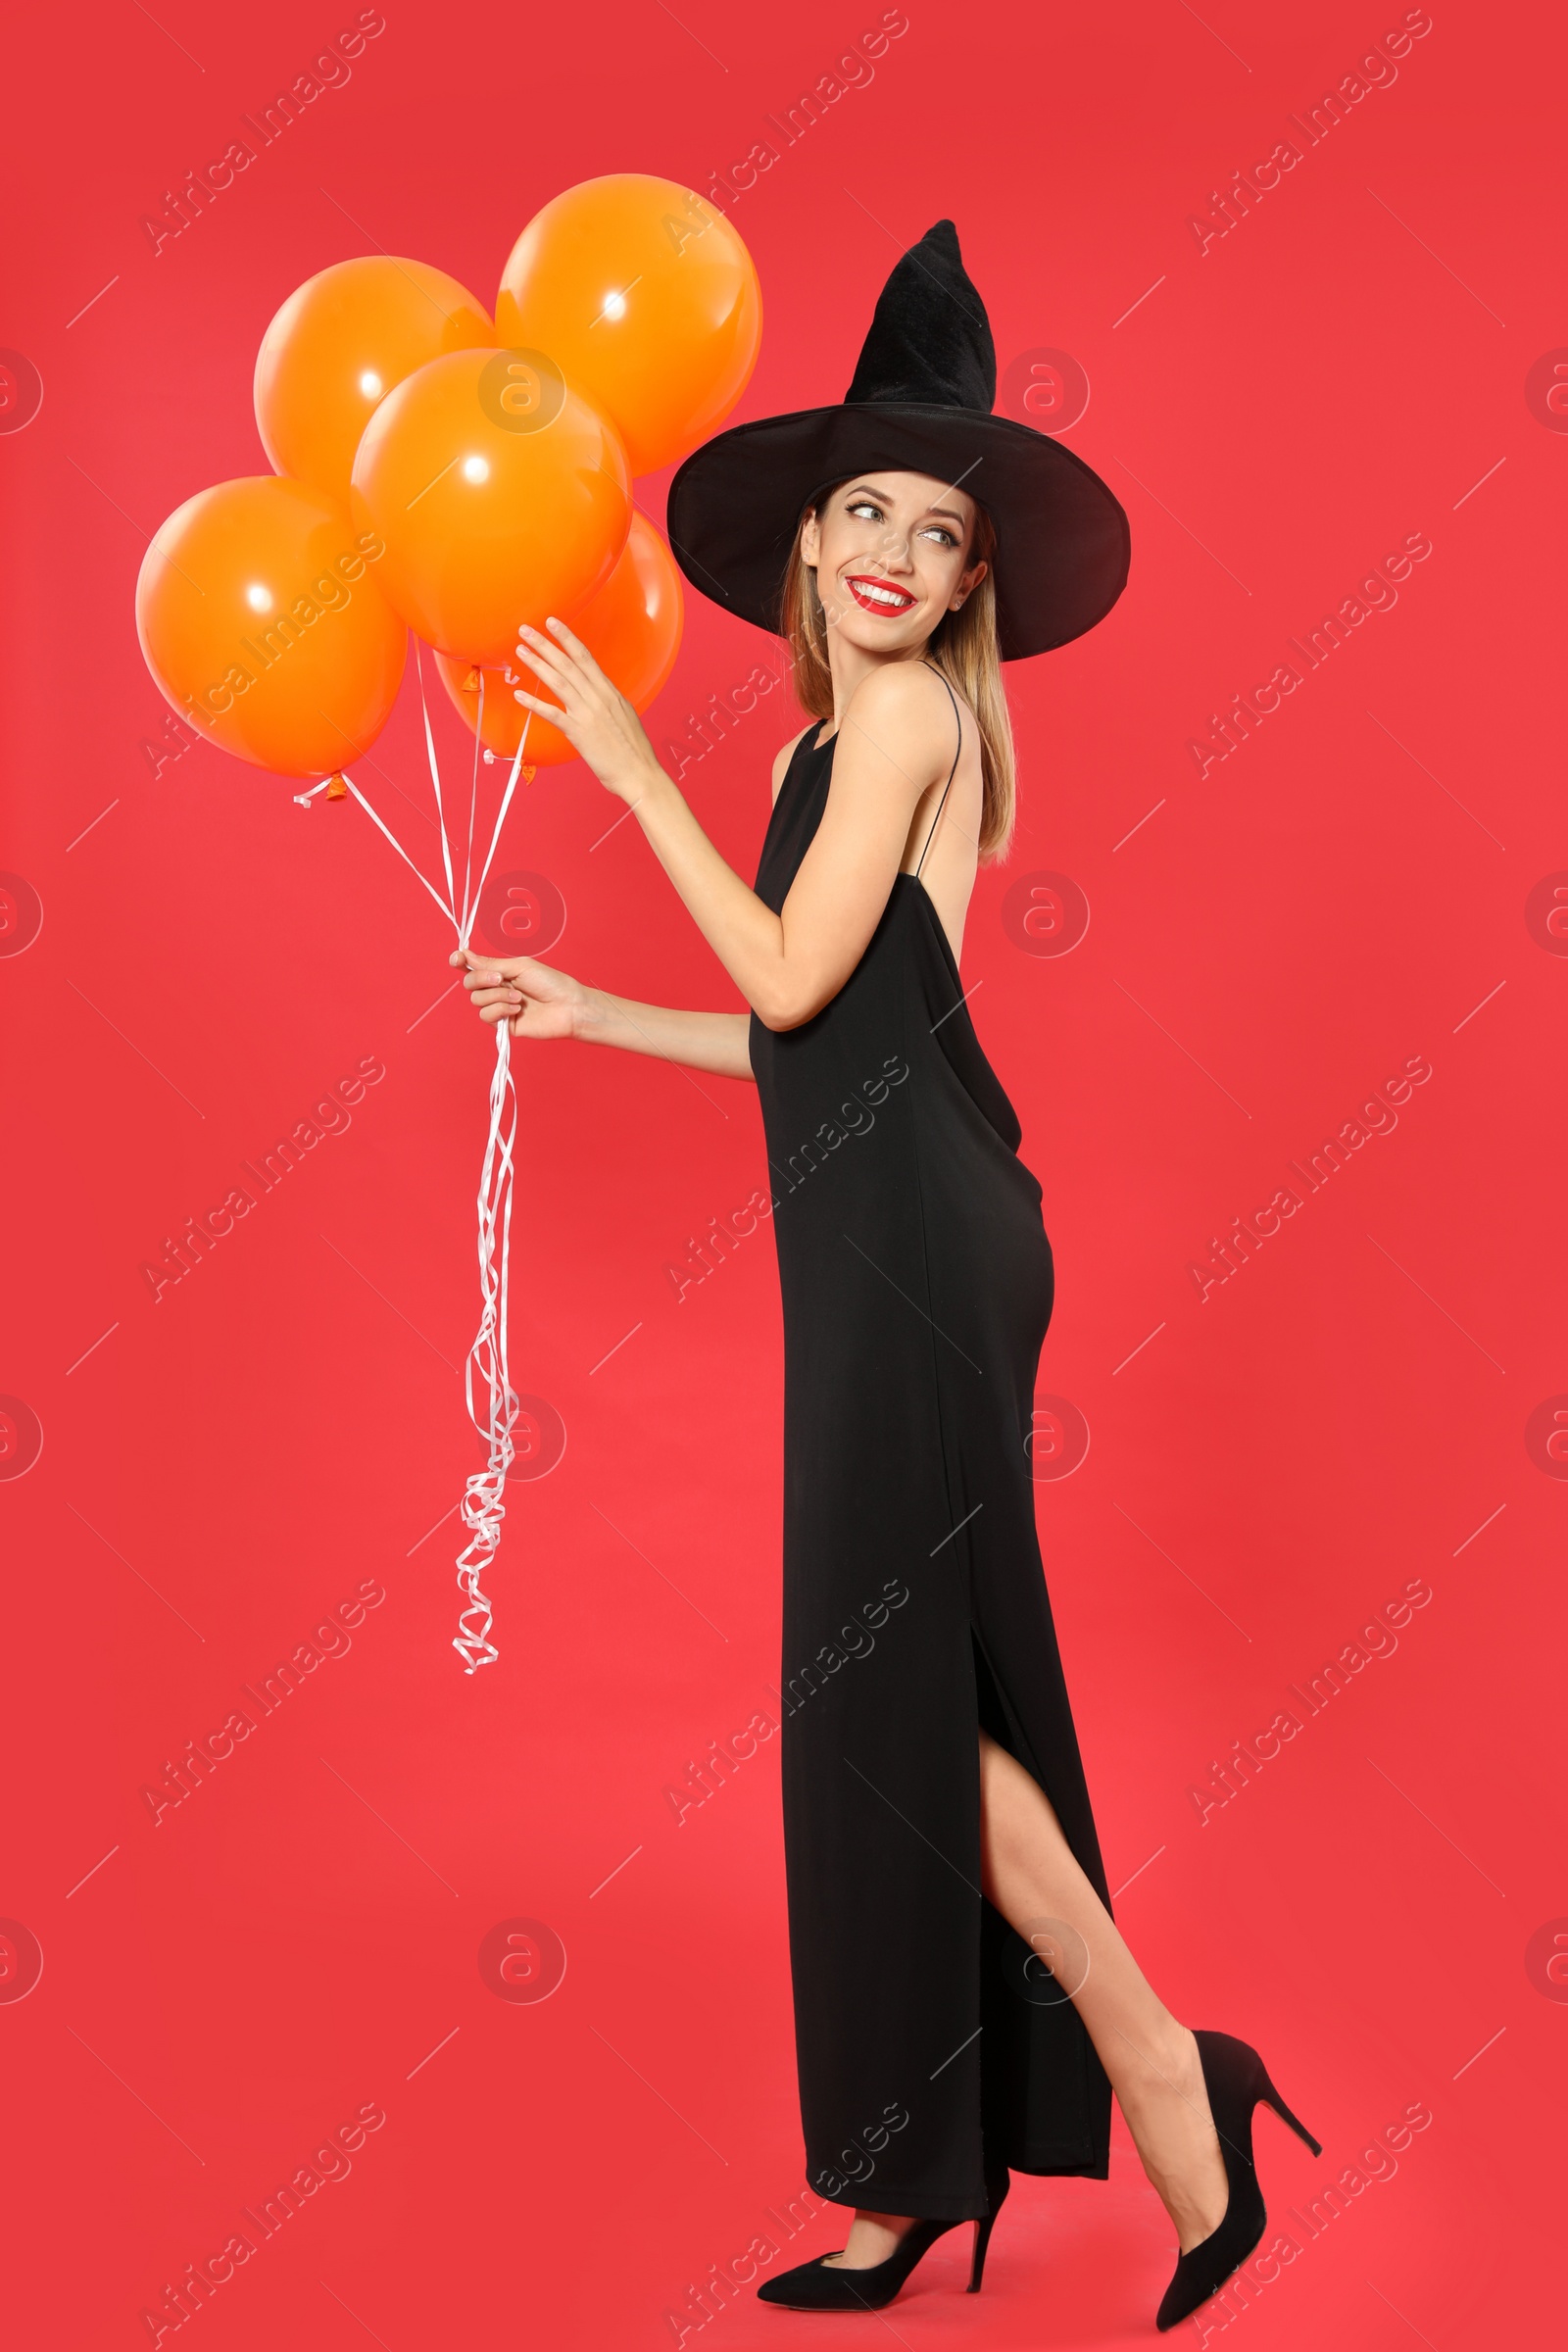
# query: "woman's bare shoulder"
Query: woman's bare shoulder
781,764
906,705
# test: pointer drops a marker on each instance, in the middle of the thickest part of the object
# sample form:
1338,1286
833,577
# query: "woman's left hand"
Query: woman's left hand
595,716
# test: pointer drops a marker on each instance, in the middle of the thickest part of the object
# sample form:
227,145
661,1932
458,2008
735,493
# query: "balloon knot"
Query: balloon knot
336,789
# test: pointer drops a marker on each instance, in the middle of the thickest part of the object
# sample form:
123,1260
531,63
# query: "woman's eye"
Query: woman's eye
863,506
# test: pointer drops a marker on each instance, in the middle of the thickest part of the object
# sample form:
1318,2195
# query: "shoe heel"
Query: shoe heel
1267,2091
984,2225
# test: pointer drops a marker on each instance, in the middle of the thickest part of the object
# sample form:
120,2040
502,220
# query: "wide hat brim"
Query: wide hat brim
1062,539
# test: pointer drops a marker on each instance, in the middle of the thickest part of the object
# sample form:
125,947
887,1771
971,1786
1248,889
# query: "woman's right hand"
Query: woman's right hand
533,1001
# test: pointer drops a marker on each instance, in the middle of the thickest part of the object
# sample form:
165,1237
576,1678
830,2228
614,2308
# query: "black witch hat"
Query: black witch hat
921,402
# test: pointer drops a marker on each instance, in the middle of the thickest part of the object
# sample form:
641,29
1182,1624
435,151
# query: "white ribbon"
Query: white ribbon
398,846
484,1500
483,1505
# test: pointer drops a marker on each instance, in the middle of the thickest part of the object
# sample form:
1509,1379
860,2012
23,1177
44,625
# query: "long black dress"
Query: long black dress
932,2050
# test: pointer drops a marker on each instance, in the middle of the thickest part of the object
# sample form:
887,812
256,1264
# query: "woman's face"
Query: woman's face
891,555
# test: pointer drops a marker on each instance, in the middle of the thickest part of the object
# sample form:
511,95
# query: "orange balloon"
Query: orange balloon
646,299
339,345
261,620
633,628
503,497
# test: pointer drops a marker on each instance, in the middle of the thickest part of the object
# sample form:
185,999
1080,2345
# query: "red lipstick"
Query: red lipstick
880,596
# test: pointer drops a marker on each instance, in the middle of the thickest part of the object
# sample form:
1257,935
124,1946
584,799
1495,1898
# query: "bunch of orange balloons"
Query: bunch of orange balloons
438,471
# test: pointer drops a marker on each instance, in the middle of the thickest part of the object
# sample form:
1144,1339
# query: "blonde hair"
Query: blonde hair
962,646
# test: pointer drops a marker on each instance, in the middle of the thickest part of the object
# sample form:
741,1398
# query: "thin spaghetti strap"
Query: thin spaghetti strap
952,770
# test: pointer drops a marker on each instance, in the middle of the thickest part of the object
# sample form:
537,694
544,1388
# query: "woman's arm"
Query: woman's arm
536,1001
702,1041
895,730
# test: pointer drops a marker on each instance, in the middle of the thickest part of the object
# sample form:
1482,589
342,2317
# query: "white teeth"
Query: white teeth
883,596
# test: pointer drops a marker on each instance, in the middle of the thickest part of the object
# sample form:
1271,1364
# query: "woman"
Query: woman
963,2003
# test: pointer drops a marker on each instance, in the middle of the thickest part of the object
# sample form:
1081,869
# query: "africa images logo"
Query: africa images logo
185,1251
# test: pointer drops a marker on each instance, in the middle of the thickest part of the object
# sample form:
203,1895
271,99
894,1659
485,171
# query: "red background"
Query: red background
223,1989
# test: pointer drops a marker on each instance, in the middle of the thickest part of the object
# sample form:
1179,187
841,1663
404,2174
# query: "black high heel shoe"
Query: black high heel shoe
1236,2079
814,2287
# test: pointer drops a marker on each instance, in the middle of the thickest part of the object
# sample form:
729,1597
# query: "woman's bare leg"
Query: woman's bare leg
1029,1874
871,2239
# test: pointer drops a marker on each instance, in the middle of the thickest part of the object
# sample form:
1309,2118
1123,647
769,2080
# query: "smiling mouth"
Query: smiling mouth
879,596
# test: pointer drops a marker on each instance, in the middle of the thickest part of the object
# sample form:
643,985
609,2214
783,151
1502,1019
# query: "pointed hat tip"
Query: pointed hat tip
942,232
